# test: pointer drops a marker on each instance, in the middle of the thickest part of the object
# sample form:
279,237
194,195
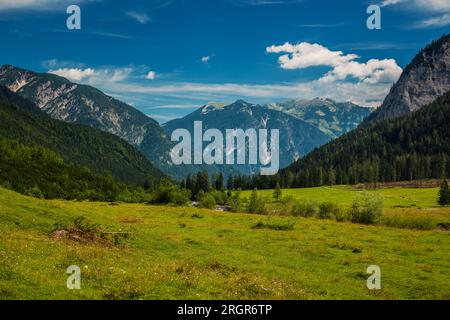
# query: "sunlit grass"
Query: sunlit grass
189,253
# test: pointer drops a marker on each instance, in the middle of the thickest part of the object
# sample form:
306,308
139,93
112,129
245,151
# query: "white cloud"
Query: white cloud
362,93
386,3
36,4
206,59
142,18
439,21
151,75
93,75
74,74
437,10
304,55
428,5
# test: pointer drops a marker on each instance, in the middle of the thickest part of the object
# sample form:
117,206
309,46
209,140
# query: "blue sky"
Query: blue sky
168,58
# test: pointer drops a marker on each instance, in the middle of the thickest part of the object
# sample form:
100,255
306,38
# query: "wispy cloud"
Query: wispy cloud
436,10
38,4
140,17
439,21
98,33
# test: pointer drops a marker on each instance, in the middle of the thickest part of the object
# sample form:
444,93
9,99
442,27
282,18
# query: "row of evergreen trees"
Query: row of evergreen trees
416,146
40,172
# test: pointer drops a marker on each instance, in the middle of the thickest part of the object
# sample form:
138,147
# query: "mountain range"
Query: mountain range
304,124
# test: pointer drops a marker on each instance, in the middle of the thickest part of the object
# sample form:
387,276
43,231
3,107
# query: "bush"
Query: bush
35,192
219,196
366,208
305,209
256,204
167,193
328,210
179,197
235,202
206,200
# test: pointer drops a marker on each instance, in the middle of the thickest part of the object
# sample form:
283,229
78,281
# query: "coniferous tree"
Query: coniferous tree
219,182
277,192
444,194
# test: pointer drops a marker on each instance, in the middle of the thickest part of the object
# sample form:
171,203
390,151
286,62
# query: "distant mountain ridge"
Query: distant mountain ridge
76,103
331,117
425,79
78,144
304,124
297,136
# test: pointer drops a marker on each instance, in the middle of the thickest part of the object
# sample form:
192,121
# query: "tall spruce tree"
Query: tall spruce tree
444,194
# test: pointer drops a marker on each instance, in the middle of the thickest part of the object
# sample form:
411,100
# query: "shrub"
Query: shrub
305,209
219,196
206,200
167,193
366,208
287,199
341,215
179,197
235,202
35,192
256,204
328,210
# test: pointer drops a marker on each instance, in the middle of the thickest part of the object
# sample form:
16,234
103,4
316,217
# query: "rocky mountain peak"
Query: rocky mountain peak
425,79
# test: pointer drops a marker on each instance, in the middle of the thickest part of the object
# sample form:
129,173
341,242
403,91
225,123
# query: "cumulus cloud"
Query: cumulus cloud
151,75
142,18
206,59
304,55
74,74
93,75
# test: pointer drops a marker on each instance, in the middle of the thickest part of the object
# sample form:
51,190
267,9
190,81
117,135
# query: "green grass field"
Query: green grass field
343,195
190,253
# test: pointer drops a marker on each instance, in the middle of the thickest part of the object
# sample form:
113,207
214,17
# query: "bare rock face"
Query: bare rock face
425,79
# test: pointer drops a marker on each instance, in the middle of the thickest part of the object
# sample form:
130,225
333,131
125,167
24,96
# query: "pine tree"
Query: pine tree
230,183
277,192
219,182
444,194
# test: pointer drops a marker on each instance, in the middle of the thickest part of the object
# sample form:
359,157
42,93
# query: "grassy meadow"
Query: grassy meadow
191,253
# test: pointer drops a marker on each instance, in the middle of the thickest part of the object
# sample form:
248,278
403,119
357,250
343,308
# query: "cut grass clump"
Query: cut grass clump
83,230
284,226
